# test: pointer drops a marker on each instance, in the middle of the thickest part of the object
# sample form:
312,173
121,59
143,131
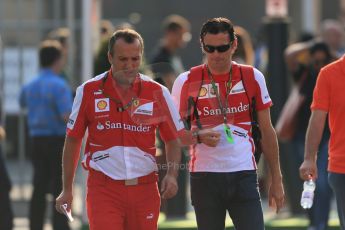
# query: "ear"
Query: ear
234,46
110,58
201,46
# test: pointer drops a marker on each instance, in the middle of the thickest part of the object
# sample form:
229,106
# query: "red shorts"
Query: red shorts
113,205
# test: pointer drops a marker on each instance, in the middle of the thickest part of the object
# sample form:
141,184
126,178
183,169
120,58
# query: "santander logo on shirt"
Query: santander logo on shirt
208,111
118,125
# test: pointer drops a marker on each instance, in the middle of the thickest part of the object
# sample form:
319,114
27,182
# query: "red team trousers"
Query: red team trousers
113,205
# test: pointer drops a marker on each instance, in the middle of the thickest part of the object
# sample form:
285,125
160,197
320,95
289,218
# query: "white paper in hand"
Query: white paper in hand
68,214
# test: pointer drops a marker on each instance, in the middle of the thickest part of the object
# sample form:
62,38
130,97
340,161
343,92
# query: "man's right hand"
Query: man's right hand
307,169
209,137
64,198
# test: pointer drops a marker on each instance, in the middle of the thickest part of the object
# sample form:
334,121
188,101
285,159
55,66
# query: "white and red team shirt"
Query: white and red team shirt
225,157
122,144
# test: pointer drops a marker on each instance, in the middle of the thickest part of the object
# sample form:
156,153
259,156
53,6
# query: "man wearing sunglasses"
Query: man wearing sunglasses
215,96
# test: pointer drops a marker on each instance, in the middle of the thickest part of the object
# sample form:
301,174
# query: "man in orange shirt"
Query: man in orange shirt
328,99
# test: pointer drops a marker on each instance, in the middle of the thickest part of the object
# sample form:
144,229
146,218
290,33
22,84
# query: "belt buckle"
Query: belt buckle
131,182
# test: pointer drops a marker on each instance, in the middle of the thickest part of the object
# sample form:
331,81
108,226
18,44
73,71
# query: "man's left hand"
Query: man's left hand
276,194
169,186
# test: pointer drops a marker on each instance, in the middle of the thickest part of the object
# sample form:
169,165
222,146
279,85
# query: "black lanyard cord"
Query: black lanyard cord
119,103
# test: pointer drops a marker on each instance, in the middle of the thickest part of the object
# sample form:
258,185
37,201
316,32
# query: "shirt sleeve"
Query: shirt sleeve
321,95
77,122
170,126
263,99
180,94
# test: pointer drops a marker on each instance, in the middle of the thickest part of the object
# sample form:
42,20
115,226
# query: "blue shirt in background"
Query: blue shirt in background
47,98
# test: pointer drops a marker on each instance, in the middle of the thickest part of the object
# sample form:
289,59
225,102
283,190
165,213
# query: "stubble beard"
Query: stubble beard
125,79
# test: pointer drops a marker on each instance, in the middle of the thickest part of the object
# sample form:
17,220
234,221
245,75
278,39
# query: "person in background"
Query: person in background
244,53
165,63
106,30
261,50
62,35
101,63
297,54
332,33
297,59
320,55
48,101
6,213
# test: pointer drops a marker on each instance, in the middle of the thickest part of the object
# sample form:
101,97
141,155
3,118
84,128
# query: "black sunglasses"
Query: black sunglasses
220,49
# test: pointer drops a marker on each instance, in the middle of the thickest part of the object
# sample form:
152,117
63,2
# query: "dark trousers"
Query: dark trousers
237,192
46,159
337,183
6,214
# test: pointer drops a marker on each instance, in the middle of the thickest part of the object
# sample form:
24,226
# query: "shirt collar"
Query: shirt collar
235,72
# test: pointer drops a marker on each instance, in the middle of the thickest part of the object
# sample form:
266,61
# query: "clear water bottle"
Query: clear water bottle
308,194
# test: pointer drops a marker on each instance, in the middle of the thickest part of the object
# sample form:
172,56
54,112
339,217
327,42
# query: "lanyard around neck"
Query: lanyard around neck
119,103
228,89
